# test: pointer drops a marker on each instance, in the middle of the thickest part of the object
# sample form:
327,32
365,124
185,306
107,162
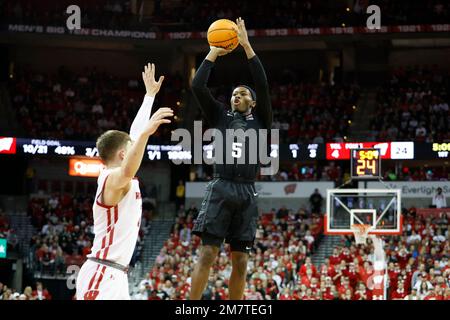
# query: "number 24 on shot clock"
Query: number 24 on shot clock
365,163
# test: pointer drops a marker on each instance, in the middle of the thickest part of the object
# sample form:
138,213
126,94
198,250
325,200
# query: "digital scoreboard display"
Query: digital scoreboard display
365,163
341,151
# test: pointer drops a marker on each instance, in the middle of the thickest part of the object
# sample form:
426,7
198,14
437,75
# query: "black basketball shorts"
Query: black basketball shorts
228,213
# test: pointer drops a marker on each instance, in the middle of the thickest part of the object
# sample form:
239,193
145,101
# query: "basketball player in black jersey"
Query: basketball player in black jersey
229,211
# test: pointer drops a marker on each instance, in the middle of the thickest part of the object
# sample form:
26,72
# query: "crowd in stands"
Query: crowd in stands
64,236
67,105
414,105
422,173
8,233
285,239
39,293
189,15
298,172
312,113
73,106
280,266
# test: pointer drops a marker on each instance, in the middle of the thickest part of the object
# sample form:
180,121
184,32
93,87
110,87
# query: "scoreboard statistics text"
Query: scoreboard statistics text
286,152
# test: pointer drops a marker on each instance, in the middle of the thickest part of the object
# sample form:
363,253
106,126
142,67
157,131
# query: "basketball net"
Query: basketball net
361,231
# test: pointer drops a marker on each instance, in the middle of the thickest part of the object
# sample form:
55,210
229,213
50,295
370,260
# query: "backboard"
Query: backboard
379,208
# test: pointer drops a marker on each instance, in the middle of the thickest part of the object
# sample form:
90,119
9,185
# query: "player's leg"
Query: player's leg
241,237
239,260
119,285
211,225
208,253
379,265
89,279
114,285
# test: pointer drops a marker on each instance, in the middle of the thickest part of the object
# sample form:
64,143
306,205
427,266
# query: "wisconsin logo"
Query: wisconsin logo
290,188
91,295
8,145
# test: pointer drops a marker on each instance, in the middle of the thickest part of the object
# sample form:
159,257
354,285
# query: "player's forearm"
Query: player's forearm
133,158
249,51
258,72
202,75
142,117
264,105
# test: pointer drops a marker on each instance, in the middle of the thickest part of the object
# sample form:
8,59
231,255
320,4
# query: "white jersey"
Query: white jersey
116,228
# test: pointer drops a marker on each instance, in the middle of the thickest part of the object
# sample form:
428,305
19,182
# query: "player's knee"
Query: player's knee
208,255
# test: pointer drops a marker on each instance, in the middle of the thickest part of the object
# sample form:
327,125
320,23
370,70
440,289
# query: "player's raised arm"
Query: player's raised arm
152,88
120,177
209,105
263,105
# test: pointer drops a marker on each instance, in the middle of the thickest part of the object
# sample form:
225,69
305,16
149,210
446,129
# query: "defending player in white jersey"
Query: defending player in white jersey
378,279
117,207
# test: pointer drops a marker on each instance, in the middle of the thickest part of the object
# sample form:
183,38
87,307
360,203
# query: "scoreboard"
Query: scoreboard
365,163
395,150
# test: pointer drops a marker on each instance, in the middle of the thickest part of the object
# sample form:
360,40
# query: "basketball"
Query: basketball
223,34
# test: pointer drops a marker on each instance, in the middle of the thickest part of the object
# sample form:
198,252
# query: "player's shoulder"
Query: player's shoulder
104,173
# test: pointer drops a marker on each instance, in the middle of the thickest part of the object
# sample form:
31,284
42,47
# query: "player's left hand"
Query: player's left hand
151,85
242,32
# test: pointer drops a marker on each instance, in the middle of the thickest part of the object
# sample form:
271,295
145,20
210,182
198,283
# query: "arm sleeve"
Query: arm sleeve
210,107
263,105
142,117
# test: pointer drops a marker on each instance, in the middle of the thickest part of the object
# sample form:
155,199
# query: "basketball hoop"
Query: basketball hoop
361,231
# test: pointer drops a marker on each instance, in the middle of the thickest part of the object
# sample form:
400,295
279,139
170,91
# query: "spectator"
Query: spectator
423,285
142,294
179,200
439,200
41,293
28,293
400,293
168,288
316,202
362,293
282,213
154,295
7,294
185,236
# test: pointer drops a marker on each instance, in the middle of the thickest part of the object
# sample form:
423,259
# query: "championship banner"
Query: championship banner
282,32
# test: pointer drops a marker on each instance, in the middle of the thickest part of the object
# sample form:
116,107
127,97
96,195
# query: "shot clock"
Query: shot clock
365,163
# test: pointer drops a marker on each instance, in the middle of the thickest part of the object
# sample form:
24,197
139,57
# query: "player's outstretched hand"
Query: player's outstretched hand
158,118
151,85
242,32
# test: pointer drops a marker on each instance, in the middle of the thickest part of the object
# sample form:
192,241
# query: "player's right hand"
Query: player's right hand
219,51
158,118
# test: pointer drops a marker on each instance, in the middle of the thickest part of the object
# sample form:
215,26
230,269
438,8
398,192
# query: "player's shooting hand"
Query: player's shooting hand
242,33
151,85
158,118
218,52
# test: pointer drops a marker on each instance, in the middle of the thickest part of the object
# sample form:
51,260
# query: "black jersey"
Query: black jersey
221,117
